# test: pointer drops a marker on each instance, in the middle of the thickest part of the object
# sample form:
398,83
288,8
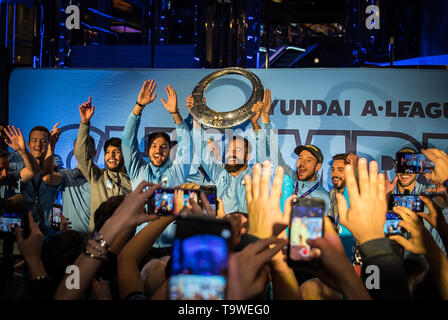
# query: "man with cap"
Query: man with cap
304,182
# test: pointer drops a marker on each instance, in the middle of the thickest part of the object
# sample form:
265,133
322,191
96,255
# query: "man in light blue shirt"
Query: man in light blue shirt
228,177
305,181
39,197
160,168
75,193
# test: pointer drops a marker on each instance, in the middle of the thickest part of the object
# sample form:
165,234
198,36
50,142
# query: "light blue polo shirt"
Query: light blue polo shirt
75,192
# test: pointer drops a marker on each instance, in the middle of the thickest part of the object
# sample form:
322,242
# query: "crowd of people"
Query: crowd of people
122,250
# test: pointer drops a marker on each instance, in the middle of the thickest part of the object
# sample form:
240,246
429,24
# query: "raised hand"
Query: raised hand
189,102
15,139
147,94
171,103
264,207
353,159
132,210
368,205
55,133
336,268
248,269
440,160
266,106
256,109
410,222
390,185
31,247
86,111
435,216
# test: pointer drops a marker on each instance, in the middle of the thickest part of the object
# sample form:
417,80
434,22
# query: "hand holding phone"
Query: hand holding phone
9,221
306,223
412,202
412,163
56,217
200,259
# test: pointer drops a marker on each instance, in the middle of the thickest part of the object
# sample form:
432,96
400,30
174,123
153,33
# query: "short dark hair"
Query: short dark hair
39,128
106,210
115,142
340,156
154,135
247,144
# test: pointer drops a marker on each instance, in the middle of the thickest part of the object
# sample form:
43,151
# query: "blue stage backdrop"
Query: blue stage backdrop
373,112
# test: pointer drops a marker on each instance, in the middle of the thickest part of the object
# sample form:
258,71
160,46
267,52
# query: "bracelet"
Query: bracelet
99,238
42,277
89,254
177,111
139,104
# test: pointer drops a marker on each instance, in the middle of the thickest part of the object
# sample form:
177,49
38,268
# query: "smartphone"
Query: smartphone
391,226
200,259
412,163
162,201
210,192
412,202
56,216
307,222
9,221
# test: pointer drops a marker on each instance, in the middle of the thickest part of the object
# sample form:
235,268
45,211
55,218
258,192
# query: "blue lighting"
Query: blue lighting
104,15
250,18
180,21
197,59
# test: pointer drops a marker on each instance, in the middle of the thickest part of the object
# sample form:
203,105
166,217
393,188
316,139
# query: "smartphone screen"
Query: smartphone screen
391,226
210,192
306,223
9,221
200,259
56,216
413,163
162,202
412,202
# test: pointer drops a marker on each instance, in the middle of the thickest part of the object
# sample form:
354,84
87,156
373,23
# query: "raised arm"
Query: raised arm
267,140
129,214
266,219
212,167
128,273
133,159
184,155
85,160
17,142
422,242
49,175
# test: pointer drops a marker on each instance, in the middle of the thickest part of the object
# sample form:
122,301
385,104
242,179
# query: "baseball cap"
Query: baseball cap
315,151
407,150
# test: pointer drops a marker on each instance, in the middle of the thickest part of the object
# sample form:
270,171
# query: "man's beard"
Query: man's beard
340,187
307,178
233,167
